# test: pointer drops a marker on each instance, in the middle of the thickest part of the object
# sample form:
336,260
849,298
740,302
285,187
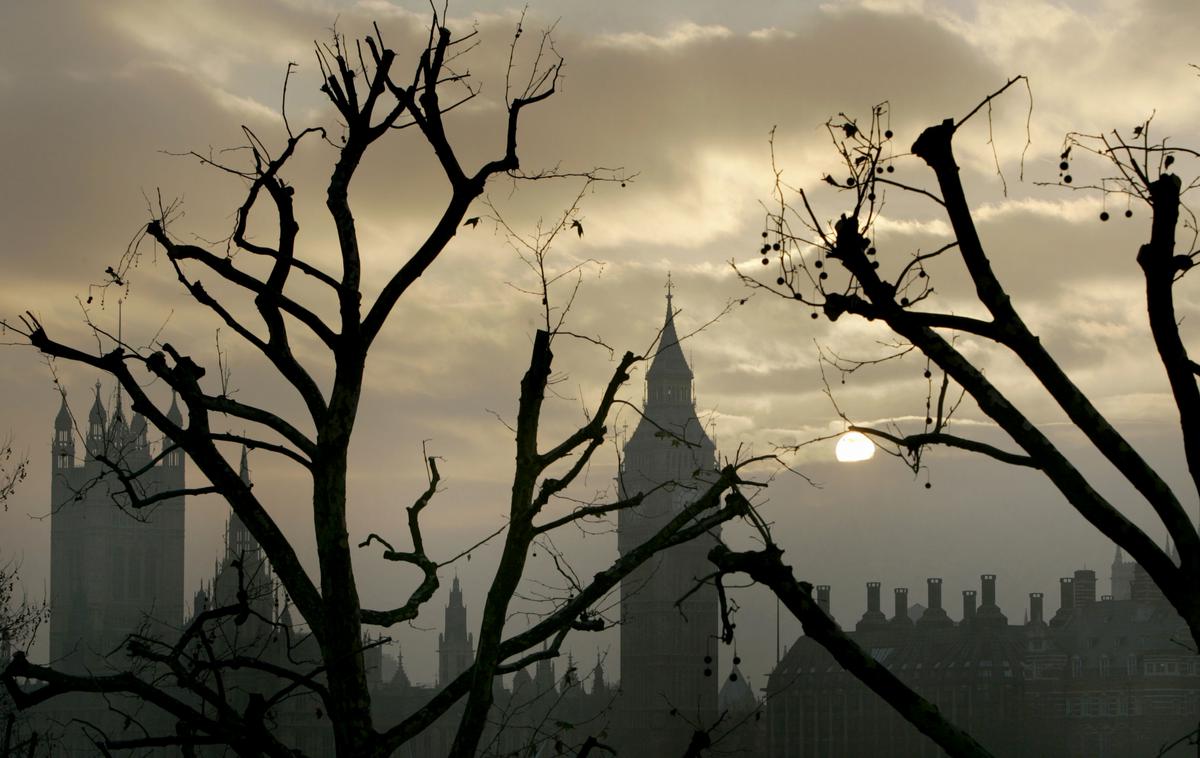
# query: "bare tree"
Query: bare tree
20,617
839,269
180,678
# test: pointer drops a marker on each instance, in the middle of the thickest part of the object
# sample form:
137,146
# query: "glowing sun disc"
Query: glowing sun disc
854,446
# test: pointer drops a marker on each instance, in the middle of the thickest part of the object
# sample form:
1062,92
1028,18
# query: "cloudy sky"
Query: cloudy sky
96,97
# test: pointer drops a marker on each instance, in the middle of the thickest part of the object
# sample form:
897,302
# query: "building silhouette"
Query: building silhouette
115,570
456,646
1104,678
669,656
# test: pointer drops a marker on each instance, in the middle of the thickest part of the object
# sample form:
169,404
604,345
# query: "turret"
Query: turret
97,426
599,687
63,447
238,540
175,457
137,431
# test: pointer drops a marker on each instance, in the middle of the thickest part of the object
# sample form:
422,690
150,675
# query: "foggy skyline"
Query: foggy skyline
684,95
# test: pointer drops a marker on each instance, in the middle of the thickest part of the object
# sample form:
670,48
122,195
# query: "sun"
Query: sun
854,446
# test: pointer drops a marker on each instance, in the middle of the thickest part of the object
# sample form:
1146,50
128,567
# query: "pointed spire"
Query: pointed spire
97,416
244,467
400,677
173,414
598,684
239,542
669,361
138,427
62,422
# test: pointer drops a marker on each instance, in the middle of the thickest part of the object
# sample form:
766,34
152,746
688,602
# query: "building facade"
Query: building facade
114,570
1103,678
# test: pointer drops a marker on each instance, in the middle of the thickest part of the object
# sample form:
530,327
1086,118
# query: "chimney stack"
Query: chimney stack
989,612
873,617
1085,588
1035,608
989,589
1066,600
935,615
823,597
935,592
901,616
968,606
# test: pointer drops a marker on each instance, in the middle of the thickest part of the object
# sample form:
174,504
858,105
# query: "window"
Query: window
1104,666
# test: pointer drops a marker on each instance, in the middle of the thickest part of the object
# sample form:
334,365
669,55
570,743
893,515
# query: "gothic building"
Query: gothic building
456,647
1103,678
112,569
668,648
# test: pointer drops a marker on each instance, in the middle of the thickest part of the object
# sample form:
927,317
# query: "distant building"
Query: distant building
113,569
261,632
456,646
1103,679
669,648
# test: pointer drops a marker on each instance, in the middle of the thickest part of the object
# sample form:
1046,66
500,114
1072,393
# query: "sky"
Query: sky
99,100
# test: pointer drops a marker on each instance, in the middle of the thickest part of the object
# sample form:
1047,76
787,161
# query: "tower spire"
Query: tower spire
244,466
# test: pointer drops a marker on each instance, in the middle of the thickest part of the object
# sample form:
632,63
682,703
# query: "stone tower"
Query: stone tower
668,652
456,647
242,568
111,570
1120,576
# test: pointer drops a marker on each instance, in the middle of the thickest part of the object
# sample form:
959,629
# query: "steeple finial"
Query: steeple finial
669,288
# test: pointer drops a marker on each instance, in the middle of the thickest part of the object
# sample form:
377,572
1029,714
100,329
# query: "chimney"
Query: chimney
1035,608
989,612
901,616
935,615
989,589
1085,588
823,597
968,606
873,617
1066,600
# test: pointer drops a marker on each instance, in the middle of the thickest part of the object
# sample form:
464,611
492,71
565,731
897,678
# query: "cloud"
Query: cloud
686,96
680,36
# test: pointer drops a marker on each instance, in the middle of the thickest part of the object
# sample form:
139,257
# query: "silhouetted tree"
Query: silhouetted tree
19,619
841,269
372,101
